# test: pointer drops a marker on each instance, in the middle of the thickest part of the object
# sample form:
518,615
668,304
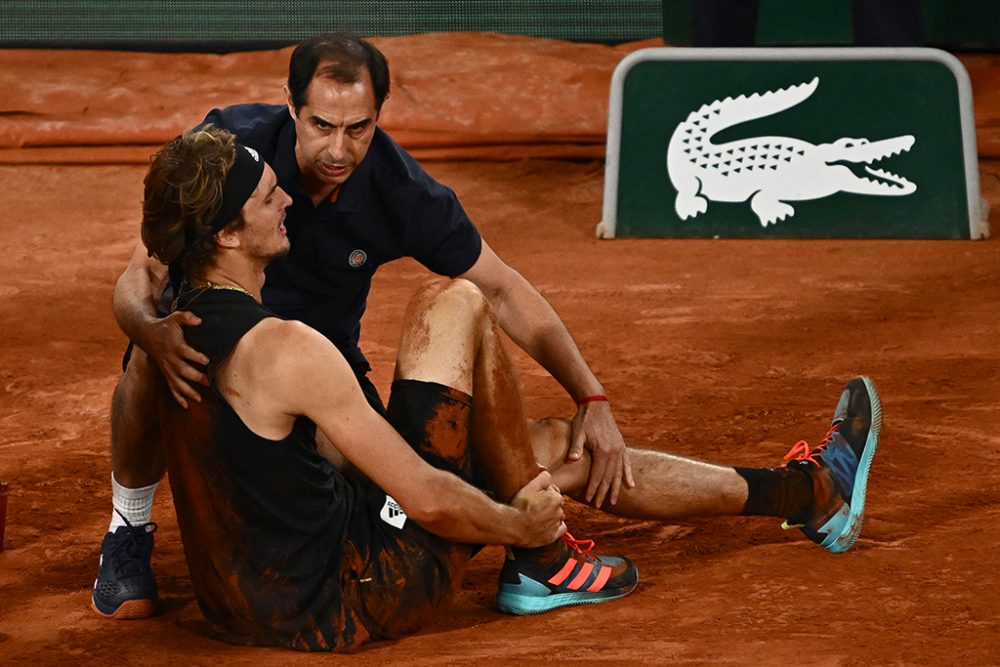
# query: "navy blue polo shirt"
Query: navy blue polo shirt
388,208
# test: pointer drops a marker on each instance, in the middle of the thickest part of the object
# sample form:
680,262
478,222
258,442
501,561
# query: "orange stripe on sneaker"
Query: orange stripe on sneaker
561,575
580,578
602,578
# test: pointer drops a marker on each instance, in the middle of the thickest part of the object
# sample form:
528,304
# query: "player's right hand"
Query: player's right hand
540,503
164,343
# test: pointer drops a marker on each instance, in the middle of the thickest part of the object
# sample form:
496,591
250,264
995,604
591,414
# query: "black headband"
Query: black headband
241,181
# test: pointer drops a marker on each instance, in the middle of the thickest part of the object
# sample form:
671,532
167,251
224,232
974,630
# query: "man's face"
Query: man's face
263,235
334,129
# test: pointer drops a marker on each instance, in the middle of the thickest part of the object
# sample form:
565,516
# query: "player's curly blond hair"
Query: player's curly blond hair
183,192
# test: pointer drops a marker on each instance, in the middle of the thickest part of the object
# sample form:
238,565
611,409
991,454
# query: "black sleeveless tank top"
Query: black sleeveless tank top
262,521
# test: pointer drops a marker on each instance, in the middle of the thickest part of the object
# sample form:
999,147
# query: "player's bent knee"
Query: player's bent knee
139,364
456,295
449,289
468,293
550,440
140,379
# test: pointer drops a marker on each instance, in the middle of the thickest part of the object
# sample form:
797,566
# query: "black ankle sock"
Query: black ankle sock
786,493
539,555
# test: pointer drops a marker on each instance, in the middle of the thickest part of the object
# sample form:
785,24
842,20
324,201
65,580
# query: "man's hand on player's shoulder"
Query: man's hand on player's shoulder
163,341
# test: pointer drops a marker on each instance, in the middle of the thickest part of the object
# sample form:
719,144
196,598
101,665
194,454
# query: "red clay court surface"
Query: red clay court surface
724,350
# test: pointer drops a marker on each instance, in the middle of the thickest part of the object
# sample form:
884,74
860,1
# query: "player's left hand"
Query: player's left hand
594,427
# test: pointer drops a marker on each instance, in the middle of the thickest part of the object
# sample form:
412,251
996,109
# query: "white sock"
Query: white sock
135,504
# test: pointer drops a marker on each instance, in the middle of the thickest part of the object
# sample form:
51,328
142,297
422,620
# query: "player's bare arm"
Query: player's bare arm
294,371
135,297
528,318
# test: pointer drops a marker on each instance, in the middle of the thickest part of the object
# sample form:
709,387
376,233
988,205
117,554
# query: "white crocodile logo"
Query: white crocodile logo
770,171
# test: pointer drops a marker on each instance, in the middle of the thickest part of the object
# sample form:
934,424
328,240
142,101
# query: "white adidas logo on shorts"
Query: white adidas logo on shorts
392,513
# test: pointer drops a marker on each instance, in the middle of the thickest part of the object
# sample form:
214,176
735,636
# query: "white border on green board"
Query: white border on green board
978,224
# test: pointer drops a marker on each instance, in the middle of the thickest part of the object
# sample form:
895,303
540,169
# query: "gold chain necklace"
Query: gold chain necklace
232,288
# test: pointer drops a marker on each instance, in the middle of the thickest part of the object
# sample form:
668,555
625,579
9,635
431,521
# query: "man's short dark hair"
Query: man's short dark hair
340,57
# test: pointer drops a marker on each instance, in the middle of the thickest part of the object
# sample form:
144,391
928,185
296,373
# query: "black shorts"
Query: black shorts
396,574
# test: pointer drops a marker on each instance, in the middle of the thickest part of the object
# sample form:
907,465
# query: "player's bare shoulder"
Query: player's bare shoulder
277,347
274,330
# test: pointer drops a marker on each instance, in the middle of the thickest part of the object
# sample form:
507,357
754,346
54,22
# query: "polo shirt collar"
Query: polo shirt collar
356,189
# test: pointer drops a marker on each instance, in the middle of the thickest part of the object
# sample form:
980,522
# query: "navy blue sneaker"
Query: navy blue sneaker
576,577
125,587
839,468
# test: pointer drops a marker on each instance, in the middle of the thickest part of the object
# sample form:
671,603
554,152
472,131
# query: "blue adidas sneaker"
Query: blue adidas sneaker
839,468
576,577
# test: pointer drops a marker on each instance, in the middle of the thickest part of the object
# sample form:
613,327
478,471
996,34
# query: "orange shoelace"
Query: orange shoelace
583,547
801,451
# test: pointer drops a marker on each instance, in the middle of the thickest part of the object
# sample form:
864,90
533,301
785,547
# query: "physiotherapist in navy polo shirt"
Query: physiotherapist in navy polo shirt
359,201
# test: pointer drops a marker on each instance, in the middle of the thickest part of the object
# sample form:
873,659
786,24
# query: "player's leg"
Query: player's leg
450,339
136,453
667,486
125,587
398,574
821,490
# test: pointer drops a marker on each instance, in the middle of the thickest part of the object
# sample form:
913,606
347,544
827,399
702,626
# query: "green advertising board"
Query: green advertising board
227,25
783,143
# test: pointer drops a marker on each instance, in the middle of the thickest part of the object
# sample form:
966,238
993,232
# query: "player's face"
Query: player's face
334,129
263,235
